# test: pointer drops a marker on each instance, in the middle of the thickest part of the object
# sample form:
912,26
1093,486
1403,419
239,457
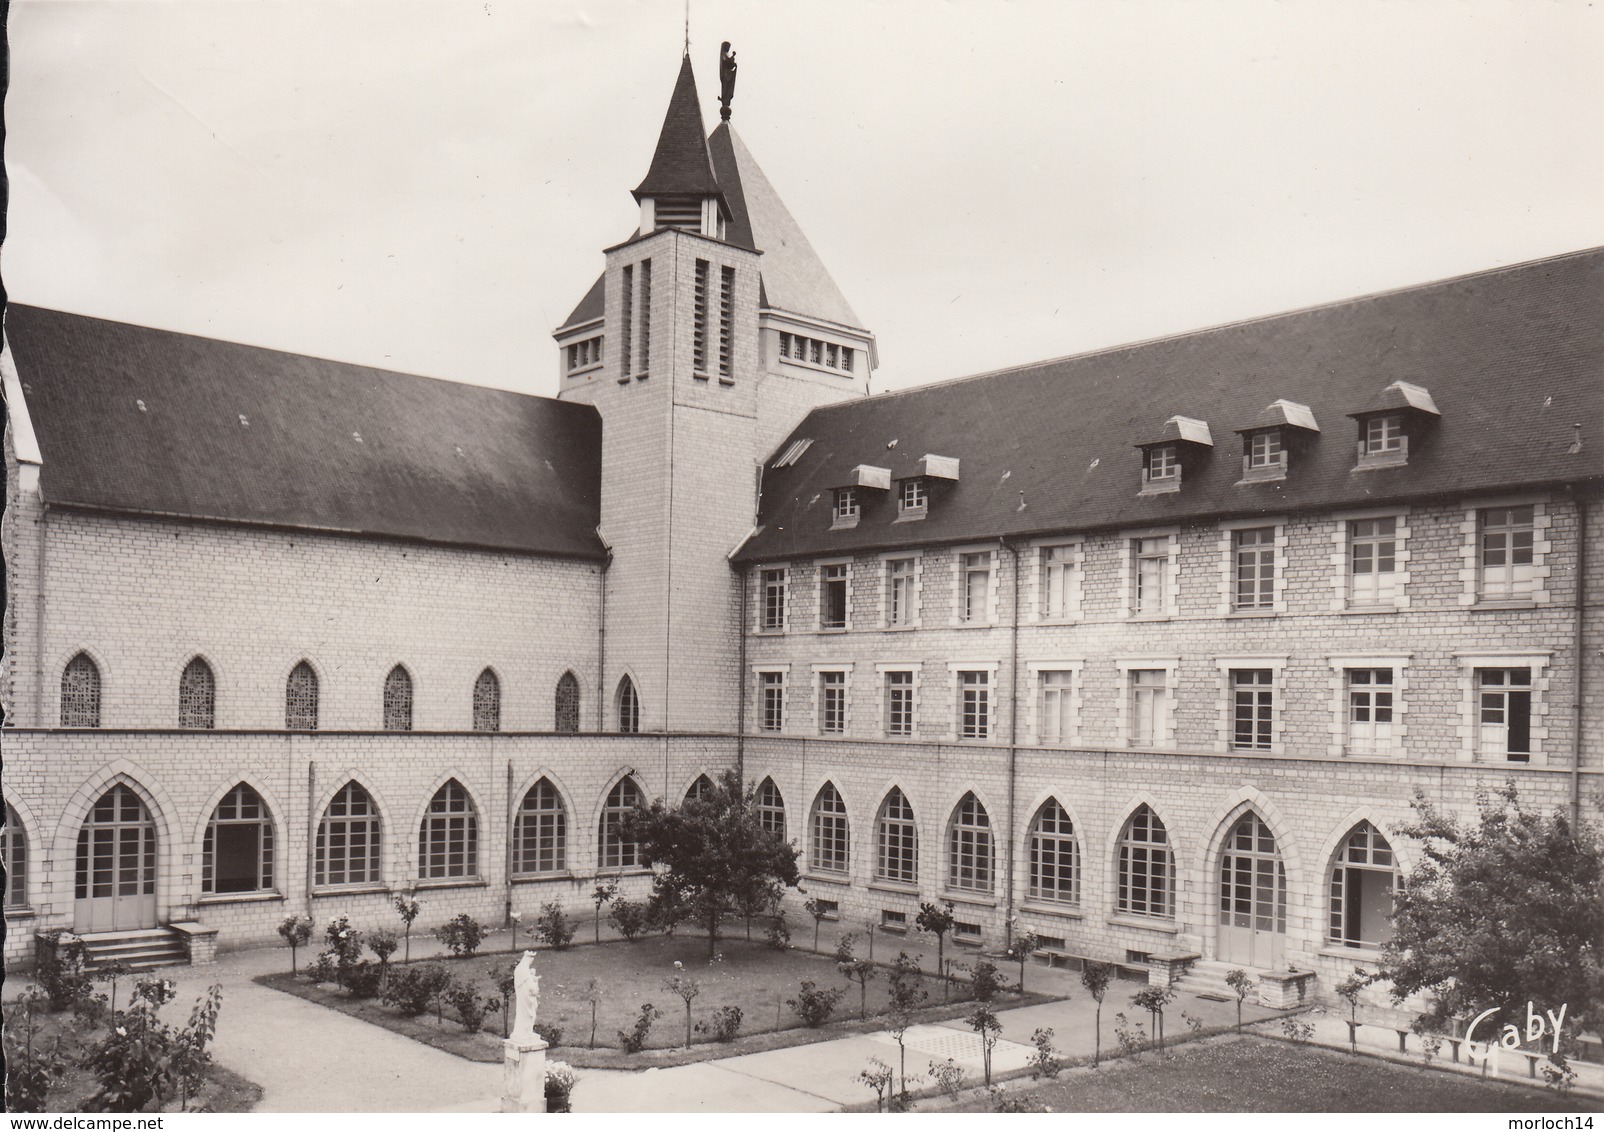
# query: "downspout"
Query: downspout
1013,746
740,697
39,618
601,637
507,863
1581,660
311,831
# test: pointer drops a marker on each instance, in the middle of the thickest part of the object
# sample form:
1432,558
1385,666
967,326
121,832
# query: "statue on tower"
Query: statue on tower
726,79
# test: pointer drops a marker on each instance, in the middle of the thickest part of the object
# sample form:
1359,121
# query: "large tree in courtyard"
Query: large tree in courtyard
1500,912
712,854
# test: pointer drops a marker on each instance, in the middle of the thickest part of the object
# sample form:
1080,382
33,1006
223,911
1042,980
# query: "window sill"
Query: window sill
972,899
892,886
769,631
844,524
1162,487
1501,606
832,630
20,912
581,371
911,517
1167,927
536,878
898,628
968,943
1370,610
350,889
726,381
1061,911
894,929
973,625
239,898
1253,613
1148,617
701,376
841,879
1367,951
451,882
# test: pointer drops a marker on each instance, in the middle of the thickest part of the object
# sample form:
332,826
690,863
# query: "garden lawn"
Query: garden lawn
748,975
1264,1075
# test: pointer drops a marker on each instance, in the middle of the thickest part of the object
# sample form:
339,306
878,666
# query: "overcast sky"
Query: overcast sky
428,186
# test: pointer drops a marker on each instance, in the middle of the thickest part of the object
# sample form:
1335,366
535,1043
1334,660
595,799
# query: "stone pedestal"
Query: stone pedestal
200,939
1284,990
523,1084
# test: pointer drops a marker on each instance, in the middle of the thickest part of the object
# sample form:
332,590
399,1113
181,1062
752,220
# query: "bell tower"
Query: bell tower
698,372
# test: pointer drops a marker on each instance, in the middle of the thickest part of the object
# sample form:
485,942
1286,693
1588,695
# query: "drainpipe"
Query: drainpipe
740,699
39,617
311,831
1581,660
1013,746
601,631
507,863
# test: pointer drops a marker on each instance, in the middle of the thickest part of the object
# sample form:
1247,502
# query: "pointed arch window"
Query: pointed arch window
615,851
969,847
700,789
16,861
80,692
628,707
896,841
448,836
1146,867
349,840
567,703
831,837
1054,856
398,700
300,699
770,808
487,702
237,852
540,832
197,696
1362,881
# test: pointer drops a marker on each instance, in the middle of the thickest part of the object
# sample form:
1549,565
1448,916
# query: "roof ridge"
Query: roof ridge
1332,304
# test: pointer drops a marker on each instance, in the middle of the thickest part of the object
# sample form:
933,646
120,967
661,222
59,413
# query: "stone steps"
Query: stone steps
142,950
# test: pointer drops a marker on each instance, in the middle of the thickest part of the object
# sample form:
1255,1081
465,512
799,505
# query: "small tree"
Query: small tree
506,987
1095,977
1154,1000
345,944
876,1077
295,931
904,994
818,909
856,970
1242,984
938,921
383,944
1026,944
604,891
29,1072
870,924
985,981
1348,990
117,969
984,1023
687,988
592,993
407,906
1045,1062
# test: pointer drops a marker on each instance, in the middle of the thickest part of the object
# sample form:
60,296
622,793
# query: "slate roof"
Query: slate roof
680,164
1512,357
437,461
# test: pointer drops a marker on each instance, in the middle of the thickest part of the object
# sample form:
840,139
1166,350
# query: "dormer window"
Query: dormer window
1163,463
1265,451
1274,439
847,507
583,355
913,500
1164,457
1401,414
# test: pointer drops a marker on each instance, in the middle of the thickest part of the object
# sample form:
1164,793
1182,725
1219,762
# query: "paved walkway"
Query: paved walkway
310,1059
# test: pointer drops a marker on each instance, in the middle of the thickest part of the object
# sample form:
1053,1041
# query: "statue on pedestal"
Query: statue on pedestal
526,998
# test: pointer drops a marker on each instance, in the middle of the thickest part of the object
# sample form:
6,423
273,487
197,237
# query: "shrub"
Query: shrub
553,926
413,990
778,935
407,906
814,1006
324,970
629,917
552,1034
142,1059
1296,1031
985,981
383,943
470,1006
297,932
633,1040
1045,1062
878,1077
462,934
344,941
29,1072
362,979
61,972
948,1076
724,1025
560,1081
1132,1036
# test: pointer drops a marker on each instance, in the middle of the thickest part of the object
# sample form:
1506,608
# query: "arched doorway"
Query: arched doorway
1253,896
115,884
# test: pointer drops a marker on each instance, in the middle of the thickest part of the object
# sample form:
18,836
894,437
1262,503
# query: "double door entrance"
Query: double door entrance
1253,897
115,880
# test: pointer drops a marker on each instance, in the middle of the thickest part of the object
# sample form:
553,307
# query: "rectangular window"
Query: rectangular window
846,358
774,599
899,704
1372,561
899,592
1370,710
975,578
1252,709
1149,706
726,320
645,316
1265,451
1163,462
832,703
1056,724
911,498
833,596
785,345
1058,565
699,319
626,329
814,351
1152,568
1505,696
1508,537
1384,434
831,355
773,718
1254,554
846,508
974,705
